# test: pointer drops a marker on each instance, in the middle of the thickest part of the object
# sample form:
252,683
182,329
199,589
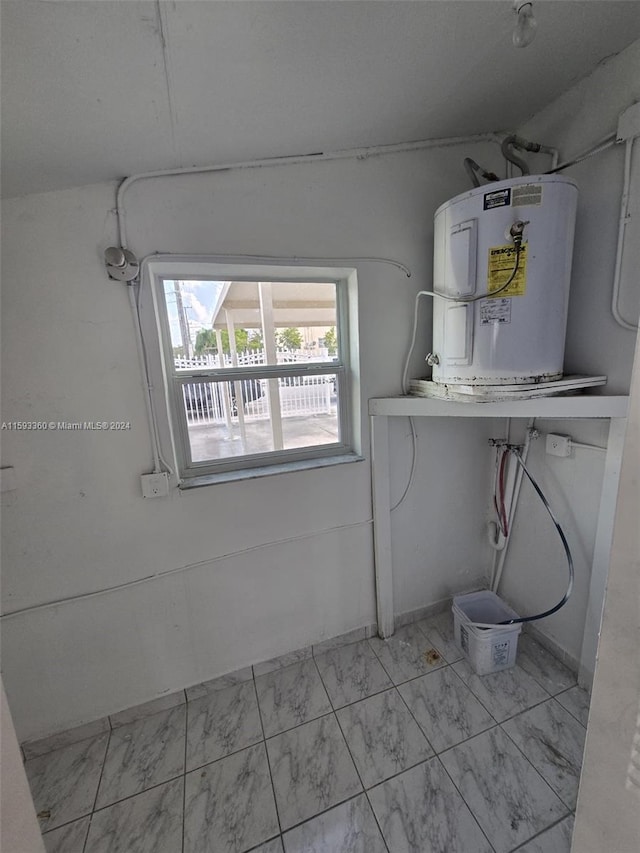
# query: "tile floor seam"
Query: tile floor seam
530,708
413,677
489,729
526,710
104,761
333,707
132,743
499,726
361,699
264,741
299,725
549,785
184,774
538,834
453,746
86,838
399,773
394,775
535,705
466,740
560,705
389,676
137,794
262,843
222,757
69,823
319,814
377,656
462,797
95,799
413,716
482,704
347,769
540,684
364,789
375,817
573,686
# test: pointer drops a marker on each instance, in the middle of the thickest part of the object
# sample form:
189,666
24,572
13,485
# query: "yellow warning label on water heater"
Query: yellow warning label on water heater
502,260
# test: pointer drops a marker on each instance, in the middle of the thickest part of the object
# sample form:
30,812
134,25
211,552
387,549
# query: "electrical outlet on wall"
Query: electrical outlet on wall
155,485
558,445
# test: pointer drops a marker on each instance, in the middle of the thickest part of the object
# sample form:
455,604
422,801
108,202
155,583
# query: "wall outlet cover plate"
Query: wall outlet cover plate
155,485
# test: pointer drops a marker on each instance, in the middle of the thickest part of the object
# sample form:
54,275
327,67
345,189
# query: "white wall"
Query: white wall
535,573
607,812
76,523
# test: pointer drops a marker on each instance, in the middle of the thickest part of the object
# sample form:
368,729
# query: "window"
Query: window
255,369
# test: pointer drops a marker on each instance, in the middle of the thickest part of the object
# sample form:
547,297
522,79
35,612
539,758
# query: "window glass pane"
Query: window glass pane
221,427
240,323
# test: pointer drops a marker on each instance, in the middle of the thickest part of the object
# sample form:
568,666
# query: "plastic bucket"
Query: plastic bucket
488,646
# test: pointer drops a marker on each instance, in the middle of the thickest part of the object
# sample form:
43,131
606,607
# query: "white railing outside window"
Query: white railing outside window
299,395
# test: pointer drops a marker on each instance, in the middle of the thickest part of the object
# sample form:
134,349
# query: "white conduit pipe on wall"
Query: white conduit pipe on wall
606,142
624,216
344,154
147,390
603,144
69,599
513,506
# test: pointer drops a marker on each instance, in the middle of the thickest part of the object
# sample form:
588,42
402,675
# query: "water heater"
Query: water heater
484,334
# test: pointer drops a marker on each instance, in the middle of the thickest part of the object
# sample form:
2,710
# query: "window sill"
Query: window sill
269,470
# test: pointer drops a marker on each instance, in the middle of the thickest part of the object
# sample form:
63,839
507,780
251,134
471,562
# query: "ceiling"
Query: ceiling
96,91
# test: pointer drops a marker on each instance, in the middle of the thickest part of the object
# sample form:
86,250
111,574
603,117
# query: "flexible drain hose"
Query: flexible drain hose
565,544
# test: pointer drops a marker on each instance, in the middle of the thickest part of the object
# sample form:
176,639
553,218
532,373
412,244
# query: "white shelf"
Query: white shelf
583,406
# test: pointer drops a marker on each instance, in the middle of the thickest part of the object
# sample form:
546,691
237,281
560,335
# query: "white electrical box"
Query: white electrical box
558,445
155,485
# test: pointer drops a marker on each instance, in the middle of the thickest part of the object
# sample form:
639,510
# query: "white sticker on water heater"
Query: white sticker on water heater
527,195
496,310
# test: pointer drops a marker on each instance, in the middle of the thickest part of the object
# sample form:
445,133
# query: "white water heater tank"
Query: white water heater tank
516,335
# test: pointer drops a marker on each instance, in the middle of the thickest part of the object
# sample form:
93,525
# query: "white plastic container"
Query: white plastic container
488,649
518,335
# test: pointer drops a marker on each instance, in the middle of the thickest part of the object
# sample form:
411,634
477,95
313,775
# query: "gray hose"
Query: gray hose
514,141
472,167
516,452
472,170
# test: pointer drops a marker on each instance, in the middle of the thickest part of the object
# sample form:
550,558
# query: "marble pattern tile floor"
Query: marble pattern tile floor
373,747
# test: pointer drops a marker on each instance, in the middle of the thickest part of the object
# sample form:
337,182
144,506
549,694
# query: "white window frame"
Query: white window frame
166,383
